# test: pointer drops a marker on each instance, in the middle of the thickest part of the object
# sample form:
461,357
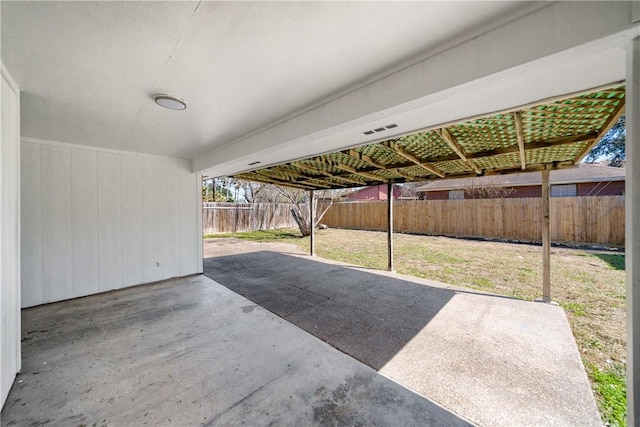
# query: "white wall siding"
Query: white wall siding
106,220
31,217
170,219
9,232
132,219
190,261
110,220
56,227
152,214
84,220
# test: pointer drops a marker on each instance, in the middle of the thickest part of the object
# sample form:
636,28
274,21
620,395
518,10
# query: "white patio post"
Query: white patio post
312,243
390,224
632,231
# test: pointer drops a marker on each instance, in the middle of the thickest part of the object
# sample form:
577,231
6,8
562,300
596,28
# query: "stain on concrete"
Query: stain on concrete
340,407
248,308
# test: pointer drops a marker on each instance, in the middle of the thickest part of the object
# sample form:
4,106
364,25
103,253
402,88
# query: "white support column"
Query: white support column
632,233
546,238
312,243
390,224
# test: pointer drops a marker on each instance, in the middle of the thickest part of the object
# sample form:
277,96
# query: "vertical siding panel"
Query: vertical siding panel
110,220
189,207
152,214
84,195
56,231
92,222
170,219
9,233
32,233
132,223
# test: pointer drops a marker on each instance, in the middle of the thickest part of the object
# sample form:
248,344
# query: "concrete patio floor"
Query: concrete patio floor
493,360
191,352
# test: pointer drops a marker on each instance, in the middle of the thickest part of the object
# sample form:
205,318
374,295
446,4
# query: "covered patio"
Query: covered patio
270,336
112,114
493,360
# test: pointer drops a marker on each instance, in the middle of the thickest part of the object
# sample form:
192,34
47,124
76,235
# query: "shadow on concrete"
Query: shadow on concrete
368,316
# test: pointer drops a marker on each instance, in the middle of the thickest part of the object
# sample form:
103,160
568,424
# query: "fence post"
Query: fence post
546,242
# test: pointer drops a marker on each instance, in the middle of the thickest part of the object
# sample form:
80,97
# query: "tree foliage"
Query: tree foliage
611,146
218,191
488,192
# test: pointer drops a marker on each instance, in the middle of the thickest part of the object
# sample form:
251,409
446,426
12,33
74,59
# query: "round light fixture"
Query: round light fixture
170,102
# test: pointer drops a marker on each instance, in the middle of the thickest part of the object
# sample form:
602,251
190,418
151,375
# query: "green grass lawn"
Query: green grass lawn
590,286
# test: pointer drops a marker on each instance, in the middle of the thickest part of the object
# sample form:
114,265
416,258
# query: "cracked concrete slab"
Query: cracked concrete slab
494,360
192,352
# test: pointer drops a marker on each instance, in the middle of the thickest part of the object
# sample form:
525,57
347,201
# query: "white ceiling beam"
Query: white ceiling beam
528,45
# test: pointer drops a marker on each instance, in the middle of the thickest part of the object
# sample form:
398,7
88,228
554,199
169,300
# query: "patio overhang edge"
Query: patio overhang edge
549,134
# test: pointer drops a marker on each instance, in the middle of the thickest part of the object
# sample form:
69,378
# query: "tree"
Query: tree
488,192
408,190
323,200
611,146
227,189
223,191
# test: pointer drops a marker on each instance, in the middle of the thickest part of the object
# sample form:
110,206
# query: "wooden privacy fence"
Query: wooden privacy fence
233,217
573,219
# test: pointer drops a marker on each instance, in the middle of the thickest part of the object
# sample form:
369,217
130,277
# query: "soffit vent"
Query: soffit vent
380,129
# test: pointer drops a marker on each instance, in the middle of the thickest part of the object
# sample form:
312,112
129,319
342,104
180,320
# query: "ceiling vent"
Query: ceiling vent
380,129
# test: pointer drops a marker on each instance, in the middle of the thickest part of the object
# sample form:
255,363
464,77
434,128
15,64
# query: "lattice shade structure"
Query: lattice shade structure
551,134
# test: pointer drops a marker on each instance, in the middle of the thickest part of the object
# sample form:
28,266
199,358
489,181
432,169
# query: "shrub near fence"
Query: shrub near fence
573,219
234,217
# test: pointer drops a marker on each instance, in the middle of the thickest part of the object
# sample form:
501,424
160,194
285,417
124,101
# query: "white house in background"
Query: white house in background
99,185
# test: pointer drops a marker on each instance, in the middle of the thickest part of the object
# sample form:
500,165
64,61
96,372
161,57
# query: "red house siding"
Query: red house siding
436,195
526,191
378,192
518,192
604,188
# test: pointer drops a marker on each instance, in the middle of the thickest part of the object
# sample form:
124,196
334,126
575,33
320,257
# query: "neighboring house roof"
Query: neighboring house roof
585,172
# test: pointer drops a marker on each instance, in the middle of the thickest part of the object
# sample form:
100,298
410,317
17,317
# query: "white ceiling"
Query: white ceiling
88,71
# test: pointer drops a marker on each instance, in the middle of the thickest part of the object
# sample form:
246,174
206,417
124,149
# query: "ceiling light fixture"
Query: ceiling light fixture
170,102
